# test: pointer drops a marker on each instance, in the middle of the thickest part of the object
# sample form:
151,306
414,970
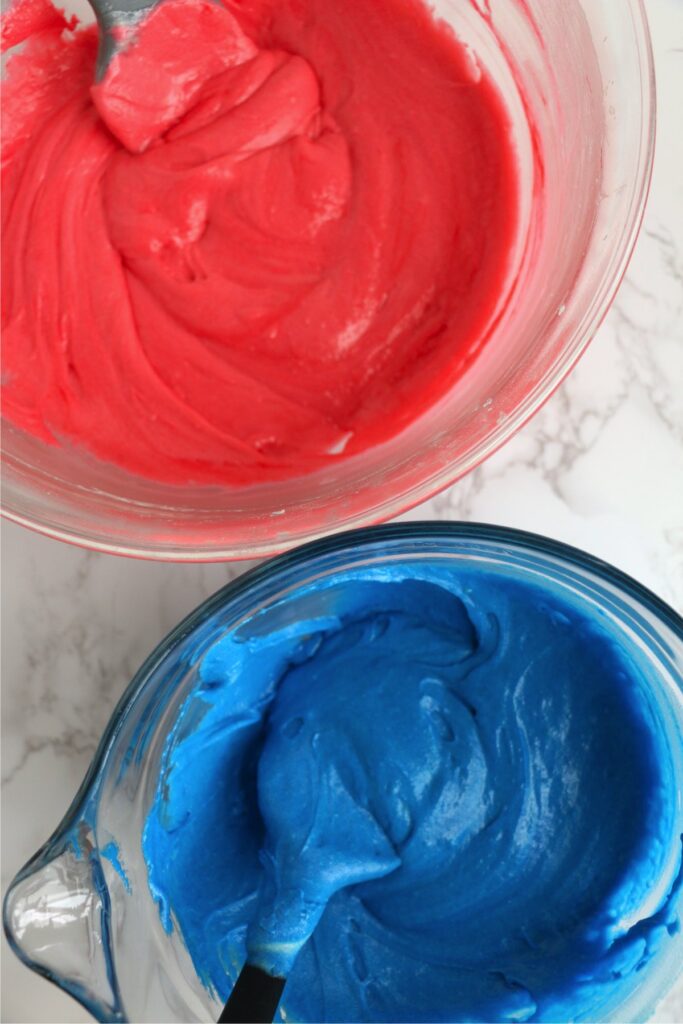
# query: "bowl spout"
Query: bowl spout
56,917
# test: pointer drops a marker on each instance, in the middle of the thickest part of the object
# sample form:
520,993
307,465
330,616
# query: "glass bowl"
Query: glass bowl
72,916
580,72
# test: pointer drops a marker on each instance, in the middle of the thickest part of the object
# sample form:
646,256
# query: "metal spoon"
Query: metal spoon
113,18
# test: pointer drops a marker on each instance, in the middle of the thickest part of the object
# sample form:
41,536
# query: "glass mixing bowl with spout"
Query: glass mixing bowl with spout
81,912
578,81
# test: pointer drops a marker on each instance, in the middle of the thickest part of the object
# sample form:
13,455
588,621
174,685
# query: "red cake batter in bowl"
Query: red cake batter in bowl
236,281
293,264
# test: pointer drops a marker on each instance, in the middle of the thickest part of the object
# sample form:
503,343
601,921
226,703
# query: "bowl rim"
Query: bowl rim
215,550
351,541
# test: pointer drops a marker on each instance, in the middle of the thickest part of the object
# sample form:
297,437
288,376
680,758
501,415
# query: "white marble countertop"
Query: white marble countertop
600,467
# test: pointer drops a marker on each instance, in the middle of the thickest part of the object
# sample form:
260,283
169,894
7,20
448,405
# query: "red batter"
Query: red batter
289,242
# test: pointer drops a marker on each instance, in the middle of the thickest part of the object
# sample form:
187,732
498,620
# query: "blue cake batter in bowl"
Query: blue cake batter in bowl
432,773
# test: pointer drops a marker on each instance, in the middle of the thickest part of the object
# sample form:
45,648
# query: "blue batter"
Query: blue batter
463,784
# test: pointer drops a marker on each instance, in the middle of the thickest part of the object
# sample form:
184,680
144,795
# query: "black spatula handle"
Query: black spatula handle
254,998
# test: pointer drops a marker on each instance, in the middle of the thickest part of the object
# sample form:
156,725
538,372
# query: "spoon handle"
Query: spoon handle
113,15
117,12
254,998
